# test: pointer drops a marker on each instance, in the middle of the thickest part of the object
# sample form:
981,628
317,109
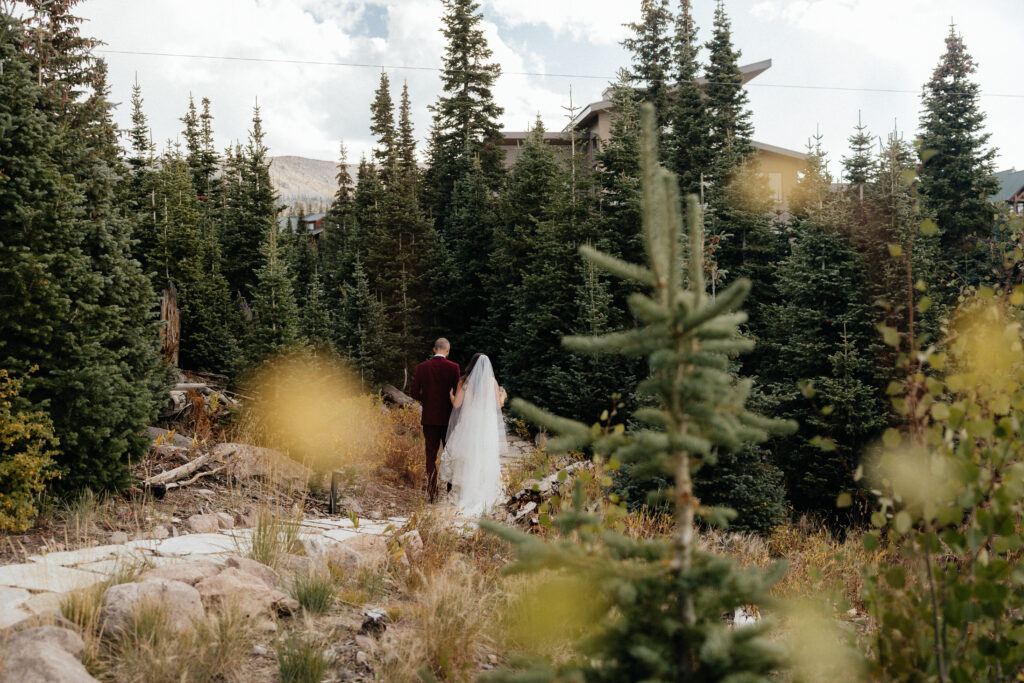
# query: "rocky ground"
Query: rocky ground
245,538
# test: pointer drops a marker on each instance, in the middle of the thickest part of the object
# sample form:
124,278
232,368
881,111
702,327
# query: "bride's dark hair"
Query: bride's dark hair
470,366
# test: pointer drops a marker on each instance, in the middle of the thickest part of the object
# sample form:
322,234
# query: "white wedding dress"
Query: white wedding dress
476,440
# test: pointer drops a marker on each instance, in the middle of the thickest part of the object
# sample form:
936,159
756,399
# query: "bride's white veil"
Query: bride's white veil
476,440
480,403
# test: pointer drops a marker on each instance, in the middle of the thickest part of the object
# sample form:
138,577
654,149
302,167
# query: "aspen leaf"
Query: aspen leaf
889,335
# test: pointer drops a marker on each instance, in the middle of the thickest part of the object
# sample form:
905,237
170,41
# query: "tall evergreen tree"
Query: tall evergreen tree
276,323
208,161
651,47
137,192
193,140
730,126
75,302
317,316
533,184
957,168
402,250
382,122
859,165
814,186
251,212
363,330
339,243
619,178
465,115
687,140
470,227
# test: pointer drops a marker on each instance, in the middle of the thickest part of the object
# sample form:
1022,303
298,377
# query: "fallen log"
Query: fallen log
396,395
179,473
181,484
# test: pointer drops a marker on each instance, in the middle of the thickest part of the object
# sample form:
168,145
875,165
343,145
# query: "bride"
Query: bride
476,440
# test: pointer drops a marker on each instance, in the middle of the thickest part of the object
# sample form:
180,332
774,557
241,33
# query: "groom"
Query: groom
431,386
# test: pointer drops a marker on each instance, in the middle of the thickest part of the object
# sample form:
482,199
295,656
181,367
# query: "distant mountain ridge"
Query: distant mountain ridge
311,182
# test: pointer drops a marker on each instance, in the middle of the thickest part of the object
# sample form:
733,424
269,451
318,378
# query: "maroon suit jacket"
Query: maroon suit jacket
430,386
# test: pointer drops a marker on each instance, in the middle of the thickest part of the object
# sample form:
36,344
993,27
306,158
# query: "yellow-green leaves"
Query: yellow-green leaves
890,335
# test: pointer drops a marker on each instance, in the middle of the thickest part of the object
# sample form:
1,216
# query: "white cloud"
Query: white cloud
306,108
594,21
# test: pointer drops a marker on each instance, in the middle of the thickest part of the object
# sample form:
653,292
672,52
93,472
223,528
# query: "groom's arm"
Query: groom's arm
417,386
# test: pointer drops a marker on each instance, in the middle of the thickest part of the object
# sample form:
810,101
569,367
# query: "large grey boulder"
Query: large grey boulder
187,572
261,571
250,594
182,602
47,654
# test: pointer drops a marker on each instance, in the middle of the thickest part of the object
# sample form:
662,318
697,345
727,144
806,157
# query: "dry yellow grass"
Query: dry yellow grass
442,628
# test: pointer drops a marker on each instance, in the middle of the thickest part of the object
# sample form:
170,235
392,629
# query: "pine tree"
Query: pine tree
317,318
859,165
276,323
465,116
193,141
75,301
687,140
137,192
658,613
401,252
900,244
251,212
730,127
208,161
363,330
339,244
814,186
533,184
341,206
619,178
470,238
957,168
651,47
382,122
820,332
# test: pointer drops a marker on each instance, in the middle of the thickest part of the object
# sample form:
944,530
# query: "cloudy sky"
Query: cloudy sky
828,44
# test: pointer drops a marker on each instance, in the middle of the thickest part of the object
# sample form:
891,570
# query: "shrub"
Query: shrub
301,660
446,626
948,600
151,651
27,446
314,590
273,536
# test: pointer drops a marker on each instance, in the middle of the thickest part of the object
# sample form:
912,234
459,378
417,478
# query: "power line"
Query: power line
309,62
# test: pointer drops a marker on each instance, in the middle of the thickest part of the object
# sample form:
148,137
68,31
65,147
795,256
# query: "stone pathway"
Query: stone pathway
35,587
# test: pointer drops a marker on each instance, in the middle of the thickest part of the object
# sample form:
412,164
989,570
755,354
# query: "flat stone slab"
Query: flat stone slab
339,535
116,565
197,544
71,558
41,576
13,616
12,597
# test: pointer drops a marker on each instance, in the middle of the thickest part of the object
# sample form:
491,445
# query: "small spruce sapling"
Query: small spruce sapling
656,606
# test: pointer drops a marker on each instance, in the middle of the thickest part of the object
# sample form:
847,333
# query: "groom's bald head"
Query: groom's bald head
442,346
